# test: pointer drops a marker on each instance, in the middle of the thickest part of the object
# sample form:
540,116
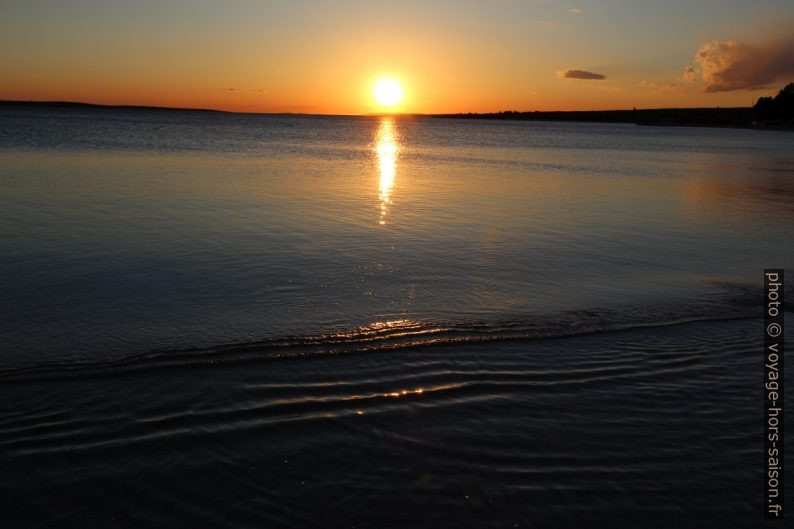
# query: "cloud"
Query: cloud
575,11
580,74
730,65
689,75
246,89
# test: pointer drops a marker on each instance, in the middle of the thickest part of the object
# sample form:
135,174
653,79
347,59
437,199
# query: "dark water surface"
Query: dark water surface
264,321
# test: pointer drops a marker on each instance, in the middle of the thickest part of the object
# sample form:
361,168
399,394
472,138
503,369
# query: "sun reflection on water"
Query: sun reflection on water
386,148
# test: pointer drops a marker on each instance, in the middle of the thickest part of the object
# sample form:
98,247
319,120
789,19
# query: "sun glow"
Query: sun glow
387,92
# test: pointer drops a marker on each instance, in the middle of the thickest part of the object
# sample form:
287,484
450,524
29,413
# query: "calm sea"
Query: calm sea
237,320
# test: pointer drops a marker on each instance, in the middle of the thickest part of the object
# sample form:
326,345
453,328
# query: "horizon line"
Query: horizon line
4,102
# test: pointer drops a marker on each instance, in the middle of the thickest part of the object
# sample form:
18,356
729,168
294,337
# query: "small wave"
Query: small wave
397,335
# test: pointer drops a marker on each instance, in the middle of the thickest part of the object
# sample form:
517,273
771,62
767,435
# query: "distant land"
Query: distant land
77,106
712,117
769,112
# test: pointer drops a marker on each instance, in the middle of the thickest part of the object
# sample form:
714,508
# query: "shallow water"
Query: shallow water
652,427
244,320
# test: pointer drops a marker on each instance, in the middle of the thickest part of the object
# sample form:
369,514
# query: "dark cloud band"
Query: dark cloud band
581,74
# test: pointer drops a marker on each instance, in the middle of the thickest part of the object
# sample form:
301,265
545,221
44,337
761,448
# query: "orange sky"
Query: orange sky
323,57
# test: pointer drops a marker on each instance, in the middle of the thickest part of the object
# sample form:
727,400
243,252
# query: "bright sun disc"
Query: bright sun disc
387,92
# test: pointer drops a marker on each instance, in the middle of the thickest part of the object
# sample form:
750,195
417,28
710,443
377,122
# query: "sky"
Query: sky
322,56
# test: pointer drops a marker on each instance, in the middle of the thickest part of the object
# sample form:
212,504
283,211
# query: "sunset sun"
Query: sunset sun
387,92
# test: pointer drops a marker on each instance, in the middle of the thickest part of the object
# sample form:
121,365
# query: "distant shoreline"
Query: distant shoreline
729,117
79,105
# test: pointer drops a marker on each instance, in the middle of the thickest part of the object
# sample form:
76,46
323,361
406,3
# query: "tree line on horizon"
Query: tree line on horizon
778,109
768,112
